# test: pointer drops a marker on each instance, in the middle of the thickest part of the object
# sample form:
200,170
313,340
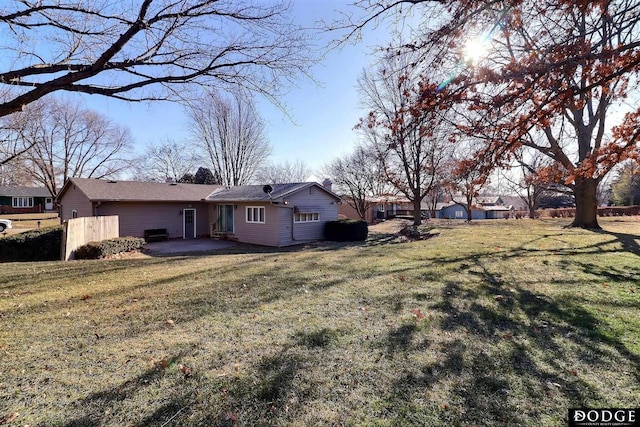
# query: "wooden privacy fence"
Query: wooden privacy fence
80,231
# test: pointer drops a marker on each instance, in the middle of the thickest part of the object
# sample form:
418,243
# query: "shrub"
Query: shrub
104,248
346,230
33,245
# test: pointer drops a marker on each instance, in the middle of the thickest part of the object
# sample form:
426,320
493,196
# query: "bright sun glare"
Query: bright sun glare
475,50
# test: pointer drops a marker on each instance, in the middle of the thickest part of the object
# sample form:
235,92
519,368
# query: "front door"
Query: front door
225,219
48,204
189,225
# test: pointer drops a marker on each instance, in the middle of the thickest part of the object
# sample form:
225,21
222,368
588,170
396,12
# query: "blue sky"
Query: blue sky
322,116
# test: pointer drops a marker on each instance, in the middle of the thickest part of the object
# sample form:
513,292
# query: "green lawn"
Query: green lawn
493,323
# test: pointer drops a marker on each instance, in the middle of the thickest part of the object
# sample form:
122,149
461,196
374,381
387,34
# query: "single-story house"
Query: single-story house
271,215
493,209
181,209
16,200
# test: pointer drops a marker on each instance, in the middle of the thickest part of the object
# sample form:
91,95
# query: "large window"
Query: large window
22,202
255,214
306,217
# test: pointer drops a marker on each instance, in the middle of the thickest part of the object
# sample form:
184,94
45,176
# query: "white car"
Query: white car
4,224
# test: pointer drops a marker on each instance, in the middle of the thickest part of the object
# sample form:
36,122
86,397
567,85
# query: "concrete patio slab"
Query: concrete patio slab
187,245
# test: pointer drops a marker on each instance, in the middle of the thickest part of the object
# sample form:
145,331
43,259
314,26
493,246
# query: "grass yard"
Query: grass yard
23,222
493,323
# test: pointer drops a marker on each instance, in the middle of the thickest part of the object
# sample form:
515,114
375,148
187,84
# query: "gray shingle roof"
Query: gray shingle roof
134,191
24,192
255,193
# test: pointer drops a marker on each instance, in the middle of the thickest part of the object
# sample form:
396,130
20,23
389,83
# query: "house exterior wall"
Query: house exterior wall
6,205
345,210
312,200
74,199
137,217
449,212
266,233
279,228
498,214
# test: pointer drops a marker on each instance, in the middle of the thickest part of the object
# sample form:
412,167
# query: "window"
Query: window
459,214
255,214
306,217
74,214
380,208
22,202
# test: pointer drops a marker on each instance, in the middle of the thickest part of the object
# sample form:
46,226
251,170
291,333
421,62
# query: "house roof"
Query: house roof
100,190
24,192
256,193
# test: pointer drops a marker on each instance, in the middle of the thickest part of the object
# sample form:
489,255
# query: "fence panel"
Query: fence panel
80,231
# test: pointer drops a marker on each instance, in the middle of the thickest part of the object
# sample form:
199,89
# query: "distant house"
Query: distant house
381,207
272,215
15,200
277,215
482,208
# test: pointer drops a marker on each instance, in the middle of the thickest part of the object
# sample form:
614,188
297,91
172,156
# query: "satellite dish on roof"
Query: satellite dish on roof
267,189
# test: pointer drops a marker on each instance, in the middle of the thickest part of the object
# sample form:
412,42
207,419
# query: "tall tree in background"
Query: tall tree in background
468,177
167,160
625,189
553,67
405,126
68,141
232,135
283,172
359,177
12,165
529,178
146,50
205,176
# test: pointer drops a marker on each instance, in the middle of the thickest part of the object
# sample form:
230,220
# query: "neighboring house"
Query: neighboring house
15,200
384,206
286,215
179,208
272,215
482,208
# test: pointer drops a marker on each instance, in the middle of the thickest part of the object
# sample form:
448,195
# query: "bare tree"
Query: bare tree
527,179
468,178
68,141
359,176
146,50
169,159
135,51
283,172
554,67
231,134
405,129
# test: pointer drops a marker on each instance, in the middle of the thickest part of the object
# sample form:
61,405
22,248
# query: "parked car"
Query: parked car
4,224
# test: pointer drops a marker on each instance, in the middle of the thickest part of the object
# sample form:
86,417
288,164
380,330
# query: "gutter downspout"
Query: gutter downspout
293,238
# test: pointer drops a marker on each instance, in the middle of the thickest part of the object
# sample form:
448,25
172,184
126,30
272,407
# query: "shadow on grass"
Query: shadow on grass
100,408
520,348
629,242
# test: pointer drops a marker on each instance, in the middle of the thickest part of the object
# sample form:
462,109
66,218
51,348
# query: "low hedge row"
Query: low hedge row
33,245
346,230
104,248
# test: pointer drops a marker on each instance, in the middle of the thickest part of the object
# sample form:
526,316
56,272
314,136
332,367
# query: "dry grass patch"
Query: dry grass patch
501,323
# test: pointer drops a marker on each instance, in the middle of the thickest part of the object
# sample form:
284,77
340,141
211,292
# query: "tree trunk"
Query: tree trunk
586,204
417,213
